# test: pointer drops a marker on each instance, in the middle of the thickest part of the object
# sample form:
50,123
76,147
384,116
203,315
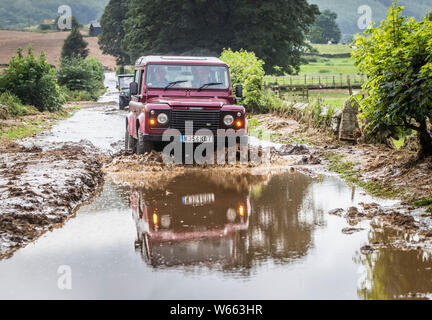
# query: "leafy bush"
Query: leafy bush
33,81
78,74
96,66
246,69
396,58
269,102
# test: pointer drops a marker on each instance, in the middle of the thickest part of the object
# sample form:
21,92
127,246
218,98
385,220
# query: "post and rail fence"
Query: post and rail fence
315,82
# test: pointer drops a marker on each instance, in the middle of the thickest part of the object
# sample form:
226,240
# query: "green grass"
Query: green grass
23,132
330,98
332,48
329,66
399,143
28,129
327,72
347,170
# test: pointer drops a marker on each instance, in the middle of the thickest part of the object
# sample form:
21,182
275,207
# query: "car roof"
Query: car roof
178,60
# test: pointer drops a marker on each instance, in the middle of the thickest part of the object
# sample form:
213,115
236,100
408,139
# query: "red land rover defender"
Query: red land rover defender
168,91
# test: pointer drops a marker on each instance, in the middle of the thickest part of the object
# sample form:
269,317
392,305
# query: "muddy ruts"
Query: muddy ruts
40,190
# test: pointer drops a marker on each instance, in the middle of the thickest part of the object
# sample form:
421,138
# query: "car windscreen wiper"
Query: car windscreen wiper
208,85
174,83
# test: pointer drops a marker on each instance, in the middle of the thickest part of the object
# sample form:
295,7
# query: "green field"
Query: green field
332,48
326,73
318,65
333,98
329,66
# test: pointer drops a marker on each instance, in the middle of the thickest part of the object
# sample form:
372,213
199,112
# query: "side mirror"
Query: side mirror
133,86
239,91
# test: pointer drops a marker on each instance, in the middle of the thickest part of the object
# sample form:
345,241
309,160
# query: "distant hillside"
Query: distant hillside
24,13
348,16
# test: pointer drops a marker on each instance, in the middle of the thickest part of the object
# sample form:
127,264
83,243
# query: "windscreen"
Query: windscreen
124,82
187,76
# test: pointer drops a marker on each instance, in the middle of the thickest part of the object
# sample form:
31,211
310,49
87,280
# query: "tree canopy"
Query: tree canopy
325,28
74,45
113,31
275,30
396,57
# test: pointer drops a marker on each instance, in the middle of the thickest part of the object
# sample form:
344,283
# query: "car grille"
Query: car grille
202,119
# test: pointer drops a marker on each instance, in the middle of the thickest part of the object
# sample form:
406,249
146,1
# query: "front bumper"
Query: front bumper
159,138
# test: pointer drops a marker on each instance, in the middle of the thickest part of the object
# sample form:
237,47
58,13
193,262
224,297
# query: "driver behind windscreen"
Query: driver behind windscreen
158,77
201,76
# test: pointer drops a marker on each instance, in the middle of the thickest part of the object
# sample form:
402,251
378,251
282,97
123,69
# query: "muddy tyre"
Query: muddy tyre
133,143
130,142
143,145
126,140
122,103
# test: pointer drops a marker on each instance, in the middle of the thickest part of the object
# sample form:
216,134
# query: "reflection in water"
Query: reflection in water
394,273
231,221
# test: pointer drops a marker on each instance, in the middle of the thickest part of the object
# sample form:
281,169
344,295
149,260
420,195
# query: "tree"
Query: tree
396,58
273,29
74,45
113,31
325,29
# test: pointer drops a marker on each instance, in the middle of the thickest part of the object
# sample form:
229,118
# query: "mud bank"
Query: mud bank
40,190
382,171
410,179
405,227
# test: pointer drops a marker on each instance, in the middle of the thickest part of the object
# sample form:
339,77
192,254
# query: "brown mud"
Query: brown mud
144,170
397,170
40,190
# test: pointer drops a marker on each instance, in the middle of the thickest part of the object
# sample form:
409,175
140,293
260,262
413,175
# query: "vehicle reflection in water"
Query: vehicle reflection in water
221,220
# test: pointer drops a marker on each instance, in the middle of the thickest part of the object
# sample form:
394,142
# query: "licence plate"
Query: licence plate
197,139
198,199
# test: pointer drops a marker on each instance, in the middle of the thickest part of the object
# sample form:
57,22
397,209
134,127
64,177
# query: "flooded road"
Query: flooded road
200,236
210,235
103,126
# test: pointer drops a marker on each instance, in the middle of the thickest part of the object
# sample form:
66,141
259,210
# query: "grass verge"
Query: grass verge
26,126
347,170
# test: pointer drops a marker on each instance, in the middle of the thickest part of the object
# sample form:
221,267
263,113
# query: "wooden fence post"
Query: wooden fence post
349,85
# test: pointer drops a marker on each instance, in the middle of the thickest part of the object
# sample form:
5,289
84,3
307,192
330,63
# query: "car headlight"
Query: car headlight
162,118
228,120
231,215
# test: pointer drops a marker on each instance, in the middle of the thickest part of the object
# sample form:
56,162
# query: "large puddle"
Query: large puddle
210,235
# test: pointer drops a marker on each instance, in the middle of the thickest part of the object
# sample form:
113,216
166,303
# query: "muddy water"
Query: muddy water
205,236
201,235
